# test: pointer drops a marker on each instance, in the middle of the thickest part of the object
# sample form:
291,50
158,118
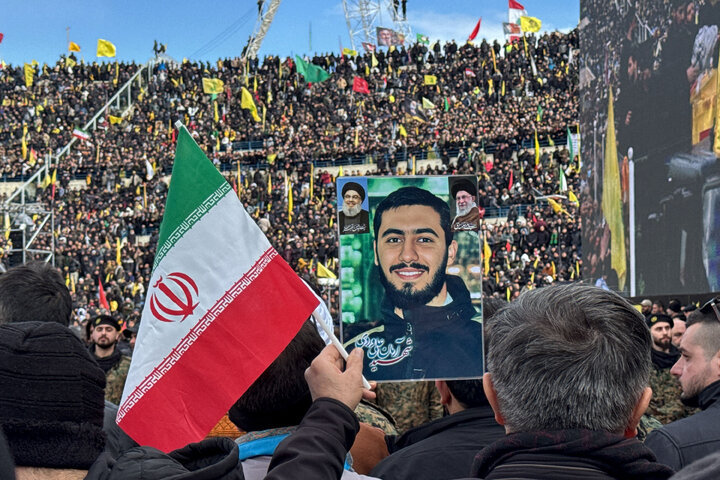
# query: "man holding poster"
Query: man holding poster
428,327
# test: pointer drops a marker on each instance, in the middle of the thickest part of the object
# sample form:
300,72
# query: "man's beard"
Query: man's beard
663,343
691,393
461,212
351,211
405,297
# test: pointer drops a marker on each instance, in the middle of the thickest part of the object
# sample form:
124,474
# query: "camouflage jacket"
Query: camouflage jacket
665,404
115,379
410,403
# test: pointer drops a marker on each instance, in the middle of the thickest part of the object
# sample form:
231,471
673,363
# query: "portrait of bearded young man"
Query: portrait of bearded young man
430,328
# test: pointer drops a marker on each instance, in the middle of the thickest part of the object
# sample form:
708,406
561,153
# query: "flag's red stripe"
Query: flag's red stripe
227,358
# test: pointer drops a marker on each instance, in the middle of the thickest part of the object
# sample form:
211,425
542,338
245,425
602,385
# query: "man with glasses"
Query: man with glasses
698,369
353,219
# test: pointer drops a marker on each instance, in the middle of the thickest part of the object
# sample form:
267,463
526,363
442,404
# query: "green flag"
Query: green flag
423,39
539,115
312,73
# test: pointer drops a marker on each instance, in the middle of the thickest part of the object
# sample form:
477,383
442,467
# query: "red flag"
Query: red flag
476,30
360,85
510,182
469,72
101,292
515,5
369,47
1,37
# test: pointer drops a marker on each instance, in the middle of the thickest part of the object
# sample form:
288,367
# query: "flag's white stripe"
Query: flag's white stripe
215,253
191,220
130,399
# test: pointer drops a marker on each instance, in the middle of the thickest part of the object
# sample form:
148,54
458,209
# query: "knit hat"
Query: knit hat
660,317
355,187
52,396
463,185
646,303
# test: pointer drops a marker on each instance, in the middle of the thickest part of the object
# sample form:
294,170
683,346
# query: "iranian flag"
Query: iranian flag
81,134
221,306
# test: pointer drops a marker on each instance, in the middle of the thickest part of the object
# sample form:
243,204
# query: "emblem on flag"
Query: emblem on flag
166,305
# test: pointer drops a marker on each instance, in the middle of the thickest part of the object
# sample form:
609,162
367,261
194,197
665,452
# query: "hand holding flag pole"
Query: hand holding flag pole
334,340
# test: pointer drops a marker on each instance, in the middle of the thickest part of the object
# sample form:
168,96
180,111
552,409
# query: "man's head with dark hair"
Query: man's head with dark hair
280,396
413,246
411,196
34,292
568,357
470,392
699,364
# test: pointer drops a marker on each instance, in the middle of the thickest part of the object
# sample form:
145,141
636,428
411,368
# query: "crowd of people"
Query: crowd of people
488,97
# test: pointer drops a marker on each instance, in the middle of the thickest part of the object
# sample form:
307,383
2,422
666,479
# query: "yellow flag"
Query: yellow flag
248,103
254,83
216,115
7,226
427,104
340,171
402,131
73,47
69,62
373,61
29,74
114,120
349,52
430,80
487,254
537,150
105,48
612,199
33,157
530,24
324,272
212,86
572,197
290,202
24,142
118,249
357,137
557,208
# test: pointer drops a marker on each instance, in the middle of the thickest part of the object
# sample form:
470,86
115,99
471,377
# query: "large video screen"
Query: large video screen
650,145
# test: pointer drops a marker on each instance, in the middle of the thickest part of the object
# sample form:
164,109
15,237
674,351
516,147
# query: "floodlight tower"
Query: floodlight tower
362,16
266,13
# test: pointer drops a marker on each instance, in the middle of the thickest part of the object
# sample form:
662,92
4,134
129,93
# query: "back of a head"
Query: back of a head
470,393
51,396
569,357
34,292
280,397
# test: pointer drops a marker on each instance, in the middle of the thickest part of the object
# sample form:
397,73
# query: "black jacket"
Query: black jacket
317,450
211,459
566,455
680,443
442,449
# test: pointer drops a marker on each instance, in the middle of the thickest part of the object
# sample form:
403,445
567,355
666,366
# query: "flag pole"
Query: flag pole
334,340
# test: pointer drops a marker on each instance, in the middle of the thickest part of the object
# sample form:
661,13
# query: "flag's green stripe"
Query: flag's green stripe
194,180
189,222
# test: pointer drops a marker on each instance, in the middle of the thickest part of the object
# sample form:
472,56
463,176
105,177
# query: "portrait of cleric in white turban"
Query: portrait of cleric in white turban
411,291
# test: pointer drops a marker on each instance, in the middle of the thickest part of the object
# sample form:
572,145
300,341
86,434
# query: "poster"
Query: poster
411,276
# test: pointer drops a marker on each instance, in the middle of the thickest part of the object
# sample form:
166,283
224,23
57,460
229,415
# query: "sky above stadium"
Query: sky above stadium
212,29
